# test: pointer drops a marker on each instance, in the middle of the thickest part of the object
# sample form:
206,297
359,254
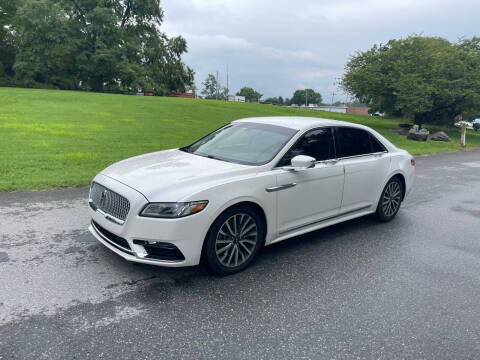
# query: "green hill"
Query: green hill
54,138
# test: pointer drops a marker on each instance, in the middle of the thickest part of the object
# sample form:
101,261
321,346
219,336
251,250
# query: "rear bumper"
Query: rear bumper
410,181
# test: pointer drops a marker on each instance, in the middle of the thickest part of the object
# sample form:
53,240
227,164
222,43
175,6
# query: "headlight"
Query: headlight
173,210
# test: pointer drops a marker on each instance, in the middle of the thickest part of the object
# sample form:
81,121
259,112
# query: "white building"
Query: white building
337,109
236,98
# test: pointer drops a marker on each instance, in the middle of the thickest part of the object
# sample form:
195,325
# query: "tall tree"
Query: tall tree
114,44
271,100
7,37
307,96
250,94
427,79
210,86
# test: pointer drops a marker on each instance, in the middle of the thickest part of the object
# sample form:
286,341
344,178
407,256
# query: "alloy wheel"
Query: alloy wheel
236,240
392,198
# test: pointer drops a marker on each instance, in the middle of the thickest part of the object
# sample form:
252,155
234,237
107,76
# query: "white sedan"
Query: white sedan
251,183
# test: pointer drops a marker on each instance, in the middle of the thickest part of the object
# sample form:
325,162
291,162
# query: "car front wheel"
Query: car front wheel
390,200
234,240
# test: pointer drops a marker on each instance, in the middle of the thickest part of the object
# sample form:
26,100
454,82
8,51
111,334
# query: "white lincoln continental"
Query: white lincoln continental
250,183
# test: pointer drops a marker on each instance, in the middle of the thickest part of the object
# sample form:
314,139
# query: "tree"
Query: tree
113,44
210,86
7,38
274,100
223,93
250,94
44,55
301,97
429,80
271,100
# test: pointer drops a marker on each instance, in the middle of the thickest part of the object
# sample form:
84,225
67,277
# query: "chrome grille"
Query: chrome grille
109,202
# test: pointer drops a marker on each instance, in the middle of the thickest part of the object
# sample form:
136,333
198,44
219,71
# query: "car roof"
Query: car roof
297,122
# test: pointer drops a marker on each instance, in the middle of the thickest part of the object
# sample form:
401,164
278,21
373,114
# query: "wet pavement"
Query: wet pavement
406,289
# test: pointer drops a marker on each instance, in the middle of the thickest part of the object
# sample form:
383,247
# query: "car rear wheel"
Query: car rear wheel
390,200
234,240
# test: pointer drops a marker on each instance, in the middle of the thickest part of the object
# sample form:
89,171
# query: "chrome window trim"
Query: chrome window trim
336,160
363,155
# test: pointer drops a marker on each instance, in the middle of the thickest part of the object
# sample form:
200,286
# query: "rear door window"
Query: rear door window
376,145
353,141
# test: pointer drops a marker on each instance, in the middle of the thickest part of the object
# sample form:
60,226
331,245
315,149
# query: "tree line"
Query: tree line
213,89
426,79
90,45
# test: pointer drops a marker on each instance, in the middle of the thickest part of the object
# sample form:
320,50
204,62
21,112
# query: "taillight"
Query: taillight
412,161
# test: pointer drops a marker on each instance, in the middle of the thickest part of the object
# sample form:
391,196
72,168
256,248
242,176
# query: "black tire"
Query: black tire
390,200
223,262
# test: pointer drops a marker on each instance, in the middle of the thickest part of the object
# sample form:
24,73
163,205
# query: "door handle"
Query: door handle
331,162
280,187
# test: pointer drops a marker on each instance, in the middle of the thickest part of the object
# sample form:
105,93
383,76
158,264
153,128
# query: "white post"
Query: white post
464,135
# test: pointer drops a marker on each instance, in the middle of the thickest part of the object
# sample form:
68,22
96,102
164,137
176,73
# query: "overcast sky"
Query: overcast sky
277,46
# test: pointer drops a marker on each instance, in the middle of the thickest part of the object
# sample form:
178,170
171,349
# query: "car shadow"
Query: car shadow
317,246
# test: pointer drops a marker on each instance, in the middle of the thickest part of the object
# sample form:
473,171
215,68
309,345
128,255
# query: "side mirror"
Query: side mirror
301,162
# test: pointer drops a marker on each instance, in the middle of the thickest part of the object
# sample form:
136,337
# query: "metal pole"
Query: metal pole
306,97
216,85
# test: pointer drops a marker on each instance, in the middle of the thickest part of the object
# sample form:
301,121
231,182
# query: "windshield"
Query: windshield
243,143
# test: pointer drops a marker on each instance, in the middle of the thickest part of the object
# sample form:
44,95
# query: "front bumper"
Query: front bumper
185,234
131,256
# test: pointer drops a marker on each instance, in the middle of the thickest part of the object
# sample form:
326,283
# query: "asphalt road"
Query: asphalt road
408,289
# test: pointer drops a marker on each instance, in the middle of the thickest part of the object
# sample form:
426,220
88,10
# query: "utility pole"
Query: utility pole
333,94
306,97
228,89
216,85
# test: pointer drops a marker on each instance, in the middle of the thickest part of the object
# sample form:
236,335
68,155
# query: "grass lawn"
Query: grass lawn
54,138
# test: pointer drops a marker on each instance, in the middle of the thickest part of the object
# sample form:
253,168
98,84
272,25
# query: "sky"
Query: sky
282,45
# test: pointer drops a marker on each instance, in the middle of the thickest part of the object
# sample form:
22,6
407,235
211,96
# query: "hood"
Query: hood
172,175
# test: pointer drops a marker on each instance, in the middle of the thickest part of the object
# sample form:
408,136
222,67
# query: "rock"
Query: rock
418,135
440,136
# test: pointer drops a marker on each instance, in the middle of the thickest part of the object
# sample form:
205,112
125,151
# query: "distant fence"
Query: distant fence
357,110
190,95
141,93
